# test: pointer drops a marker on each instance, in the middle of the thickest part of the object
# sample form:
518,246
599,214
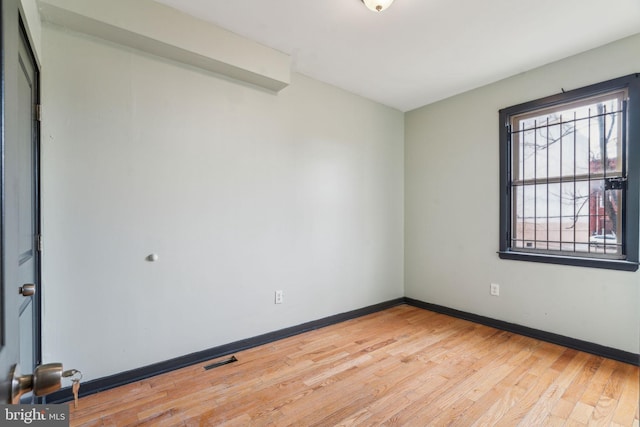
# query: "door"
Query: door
19,222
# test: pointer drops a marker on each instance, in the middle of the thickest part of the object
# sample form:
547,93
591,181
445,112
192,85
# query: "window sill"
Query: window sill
567,260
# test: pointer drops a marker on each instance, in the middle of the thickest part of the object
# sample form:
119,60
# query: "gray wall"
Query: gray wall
240,192
451,214
336,200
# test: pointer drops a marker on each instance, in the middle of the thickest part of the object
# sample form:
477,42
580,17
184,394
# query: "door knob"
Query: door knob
27,289
45,379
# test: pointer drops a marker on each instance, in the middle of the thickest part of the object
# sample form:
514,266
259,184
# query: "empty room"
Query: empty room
333,212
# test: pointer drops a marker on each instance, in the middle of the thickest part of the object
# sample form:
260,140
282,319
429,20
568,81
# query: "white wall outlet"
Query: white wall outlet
494,289
279,297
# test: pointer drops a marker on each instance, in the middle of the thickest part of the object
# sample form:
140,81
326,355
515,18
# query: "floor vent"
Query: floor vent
222,362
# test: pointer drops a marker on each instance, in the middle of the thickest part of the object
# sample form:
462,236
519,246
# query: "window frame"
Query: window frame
631,214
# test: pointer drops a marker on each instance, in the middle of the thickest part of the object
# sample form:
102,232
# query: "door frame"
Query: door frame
37,298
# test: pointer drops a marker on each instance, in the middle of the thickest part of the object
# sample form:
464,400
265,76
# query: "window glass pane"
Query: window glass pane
614,144
575,216
568,220
523,221
553,151
554,209
583,153
577,139
605,221
540,147
517,234
567,151
528,155
582,201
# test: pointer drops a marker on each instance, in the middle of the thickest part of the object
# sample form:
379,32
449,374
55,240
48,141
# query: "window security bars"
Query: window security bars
568,177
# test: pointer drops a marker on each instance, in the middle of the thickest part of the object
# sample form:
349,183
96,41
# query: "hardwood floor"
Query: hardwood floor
400,367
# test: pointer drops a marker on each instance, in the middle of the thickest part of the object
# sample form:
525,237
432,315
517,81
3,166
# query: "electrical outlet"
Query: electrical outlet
494,289
279,297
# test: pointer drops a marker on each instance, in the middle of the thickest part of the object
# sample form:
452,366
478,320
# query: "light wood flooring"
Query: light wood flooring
400,367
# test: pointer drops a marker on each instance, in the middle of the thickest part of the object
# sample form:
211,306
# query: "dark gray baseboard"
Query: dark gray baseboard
120,379
576,344
123,378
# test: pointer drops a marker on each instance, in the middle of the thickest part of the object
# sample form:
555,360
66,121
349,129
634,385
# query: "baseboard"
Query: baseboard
587,347
123,378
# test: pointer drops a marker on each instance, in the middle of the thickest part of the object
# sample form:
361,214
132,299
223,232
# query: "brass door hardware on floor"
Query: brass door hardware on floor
45,380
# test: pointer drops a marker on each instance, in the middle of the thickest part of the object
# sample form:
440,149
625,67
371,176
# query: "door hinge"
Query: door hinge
39,242
38,112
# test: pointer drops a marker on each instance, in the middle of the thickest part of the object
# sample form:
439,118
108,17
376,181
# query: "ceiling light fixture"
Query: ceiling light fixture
377,5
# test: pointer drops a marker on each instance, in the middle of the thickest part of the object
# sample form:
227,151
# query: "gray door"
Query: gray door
19,228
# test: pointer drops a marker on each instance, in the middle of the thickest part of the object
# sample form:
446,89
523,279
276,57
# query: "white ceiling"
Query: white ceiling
420,51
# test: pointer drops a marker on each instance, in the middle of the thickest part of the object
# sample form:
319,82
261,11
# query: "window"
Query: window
570,172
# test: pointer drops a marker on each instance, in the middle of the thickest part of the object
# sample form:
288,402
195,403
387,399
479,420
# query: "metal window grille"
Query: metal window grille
568,178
